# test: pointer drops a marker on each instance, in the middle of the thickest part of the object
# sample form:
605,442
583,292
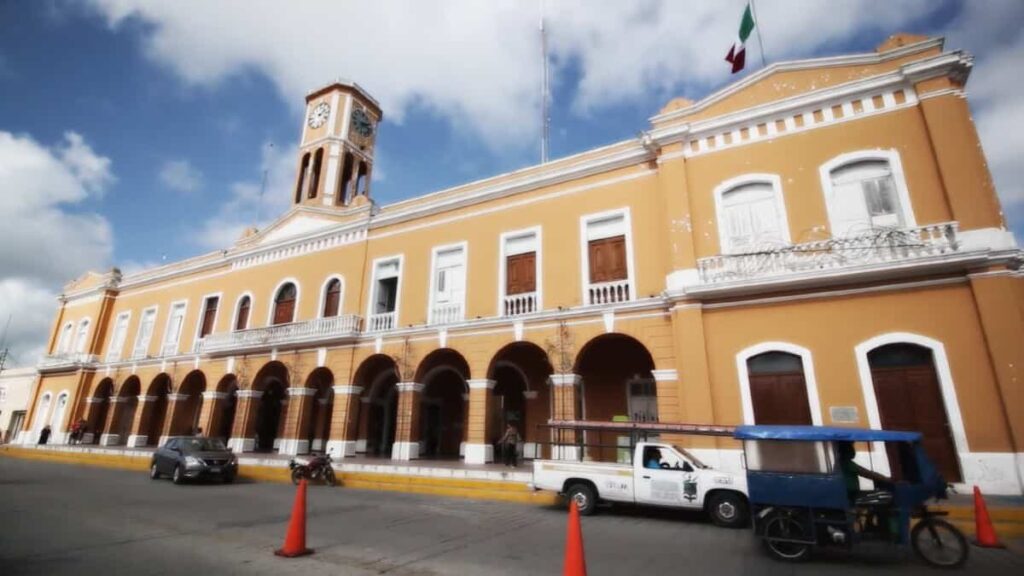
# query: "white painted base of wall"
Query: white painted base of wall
318,445
561,452
88,437
360,446
277,443
21,437
59,438
136,441
239,445
405,451
462,449
531,450
479,453
292,447
109,439
342,448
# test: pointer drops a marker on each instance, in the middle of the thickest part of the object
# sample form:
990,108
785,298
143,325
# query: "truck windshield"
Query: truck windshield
693,459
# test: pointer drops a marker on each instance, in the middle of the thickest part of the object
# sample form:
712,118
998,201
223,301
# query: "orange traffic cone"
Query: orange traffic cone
295,540
984,532
575,560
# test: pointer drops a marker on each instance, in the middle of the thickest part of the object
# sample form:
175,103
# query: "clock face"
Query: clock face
319,115
361,123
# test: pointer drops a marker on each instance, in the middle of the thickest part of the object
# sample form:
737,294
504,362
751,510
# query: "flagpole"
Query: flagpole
757,28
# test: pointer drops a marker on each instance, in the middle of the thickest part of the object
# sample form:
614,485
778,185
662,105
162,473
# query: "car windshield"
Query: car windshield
202,445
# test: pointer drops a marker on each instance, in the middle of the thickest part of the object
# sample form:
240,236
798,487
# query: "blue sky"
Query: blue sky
164,115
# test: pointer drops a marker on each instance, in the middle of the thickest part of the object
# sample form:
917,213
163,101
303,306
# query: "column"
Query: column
481,396
243,437
298,417
210,409
530,449
143,413
565,390
363,426
344,418
175,404
407,425
107,436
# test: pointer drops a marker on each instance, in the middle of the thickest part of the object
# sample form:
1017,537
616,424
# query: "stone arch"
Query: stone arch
271,408
223,417
616,381
185,420
120,425
520,371
375,426
154,412
314,426
444,406
98,410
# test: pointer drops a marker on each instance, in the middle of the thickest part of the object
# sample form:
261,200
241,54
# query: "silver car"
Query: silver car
194,458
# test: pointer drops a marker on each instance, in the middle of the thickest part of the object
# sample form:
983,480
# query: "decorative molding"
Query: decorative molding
301,391
481,384
214,395
567,379
409,387
355,390
177,397
665,375
255,394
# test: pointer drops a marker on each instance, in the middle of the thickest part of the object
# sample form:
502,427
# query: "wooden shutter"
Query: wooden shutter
780,399
608,259
521,273
284,305
209,315
331,301
242,322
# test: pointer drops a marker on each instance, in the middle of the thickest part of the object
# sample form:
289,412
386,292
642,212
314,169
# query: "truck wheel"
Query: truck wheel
585,498
728,510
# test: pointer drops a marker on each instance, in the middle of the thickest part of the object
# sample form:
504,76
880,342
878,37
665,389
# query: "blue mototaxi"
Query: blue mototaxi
804,492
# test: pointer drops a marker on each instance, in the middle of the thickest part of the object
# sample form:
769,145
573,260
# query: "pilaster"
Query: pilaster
481,397
344,418
407,425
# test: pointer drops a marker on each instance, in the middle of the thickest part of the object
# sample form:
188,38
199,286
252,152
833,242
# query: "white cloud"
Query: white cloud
247,207
180,176
43,243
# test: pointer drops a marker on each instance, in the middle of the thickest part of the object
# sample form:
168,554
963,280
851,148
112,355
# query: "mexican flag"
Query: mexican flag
738,53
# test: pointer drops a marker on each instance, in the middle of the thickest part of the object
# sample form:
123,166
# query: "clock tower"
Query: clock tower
336,149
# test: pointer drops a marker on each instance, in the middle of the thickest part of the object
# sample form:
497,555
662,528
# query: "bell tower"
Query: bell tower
336,149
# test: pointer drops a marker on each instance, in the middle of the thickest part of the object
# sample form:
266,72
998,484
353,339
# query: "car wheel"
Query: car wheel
178,477
154,473
584,497
728,510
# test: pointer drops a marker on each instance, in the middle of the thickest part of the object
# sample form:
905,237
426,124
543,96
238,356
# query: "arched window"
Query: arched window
314,177
303,168
751,214
332,298
864,192
242,316
64,342
284,304
80,338
344,192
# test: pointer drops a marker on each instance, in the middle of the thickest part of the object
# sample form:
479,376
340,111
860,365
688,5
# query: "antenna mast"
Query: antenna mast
545,120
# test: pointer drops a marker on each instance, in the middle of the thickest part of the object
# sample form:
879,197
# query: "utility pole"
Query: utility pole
4,350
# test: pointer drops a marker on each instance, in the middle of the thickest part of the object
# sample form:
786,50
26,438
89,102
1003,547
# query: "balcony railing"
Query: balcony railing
877,247
447,313
382,321
66,360
608,292
523,303
347,325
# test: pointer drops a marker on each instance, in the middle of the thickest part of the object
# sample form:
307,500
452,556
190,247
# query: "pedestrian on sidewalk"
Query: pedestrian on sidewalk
44,434
509,444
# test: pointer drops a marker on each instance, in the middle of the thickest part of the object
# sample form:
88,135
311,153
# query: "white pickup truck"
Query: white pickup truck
661,475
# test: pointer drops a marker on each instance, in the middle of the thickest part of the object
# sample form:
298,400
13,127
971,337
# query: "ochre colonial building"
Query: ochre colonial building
819,242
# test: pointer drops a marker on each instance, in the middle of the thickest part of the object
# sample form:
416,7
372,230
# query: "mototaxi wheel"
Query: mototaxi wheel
329,478
779,532
298,473
939,543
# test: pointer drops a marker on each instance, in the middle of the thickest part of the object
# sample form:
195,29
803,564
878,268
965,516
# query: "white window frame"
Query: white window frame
373,285
66,337
323,295
899,180
773,180
536,232
463,247
202,312
167,327
138,332
115,352
81,339
55,422
238,304
627,223
273,301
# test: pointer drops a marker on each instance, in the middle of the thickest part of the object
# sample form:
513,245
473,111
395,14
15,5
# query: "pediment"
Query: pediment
297,225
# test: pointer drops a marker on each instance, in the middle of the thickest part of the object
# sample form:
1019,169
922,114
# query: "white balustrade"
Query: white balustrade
382,321
523,303
447,313
877,247
67,359
609,292
319,329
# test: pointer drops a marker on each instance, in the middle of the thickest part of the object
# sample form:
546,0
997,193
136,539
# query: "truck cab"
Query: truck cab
659,474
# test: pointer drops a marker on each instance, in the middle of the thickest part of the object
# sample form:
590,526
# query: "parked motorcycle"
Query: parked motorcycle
317,468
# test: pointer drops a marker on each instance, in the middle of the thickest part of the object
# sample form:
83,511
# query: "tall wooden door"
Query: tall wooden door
909,398
778,389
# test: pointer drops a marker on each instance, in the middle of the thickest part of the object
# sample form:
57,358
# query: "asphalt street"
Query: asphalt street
63,519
